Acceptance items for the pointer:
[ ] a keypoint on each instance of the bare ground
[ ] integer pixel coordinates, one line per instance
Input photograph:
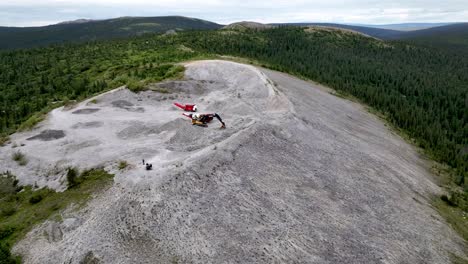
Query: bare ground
(299, 176)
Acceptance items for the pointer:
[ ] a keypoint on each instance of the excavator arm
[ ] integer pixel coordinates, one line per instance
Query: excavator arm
(223, 125)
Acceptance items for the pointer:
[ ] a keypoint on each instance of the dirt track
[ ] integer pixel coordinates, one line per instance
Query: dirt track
(299, 176)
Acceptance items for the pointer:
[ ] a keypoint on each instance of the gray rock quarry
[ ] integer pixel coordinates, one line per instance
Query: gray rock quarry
(298, 176)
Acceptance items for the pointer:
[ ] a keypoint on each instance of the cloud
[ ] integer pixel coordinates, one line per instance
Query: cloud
(29, 12)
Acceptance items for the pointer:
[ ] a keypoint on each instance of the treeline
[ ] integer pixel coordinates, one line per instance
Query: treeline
(421, 90)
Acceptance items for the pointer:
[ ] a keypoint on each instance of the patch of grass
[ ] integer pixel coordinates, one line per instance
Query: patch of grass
(8, 184)
(89, 258)
(23, 162)
(160, 90)
(122, 164)
(94, 101)
(20, 158)
(6, 257)
(39, 116)
(32, 206)
(3, 140)
(17, 156)
(457, 260)
(174, 260)
(454, 215)
(452, 206)
(31, 122)
(144, 75)
(136, 86)
(346, 96)
(7, 210)
(175, 72)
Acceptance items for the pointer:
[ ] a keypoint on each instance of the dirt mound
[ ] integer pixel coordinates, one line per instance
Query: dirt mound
(48, 135)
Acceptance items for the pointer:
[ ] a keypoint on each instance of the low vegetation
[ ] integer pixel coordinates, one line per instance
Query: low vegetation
(122, 165)
(72, 177)
(31, 122)
(23, 207)
(3, 140)
(160, 90)
(20, 158)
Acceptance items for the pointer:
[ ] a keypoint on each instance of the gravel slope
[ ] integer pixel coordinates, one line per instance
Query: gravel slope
(299, 176)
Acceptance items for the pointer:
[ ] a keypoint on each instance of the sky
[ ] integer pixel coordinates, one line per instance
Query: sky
(45, 12)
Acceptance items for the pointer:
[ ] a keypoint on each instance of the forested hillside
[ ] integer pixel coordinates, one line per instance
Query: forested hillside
(28, 37)
(450, 37)
(421, 90)
(376, 32)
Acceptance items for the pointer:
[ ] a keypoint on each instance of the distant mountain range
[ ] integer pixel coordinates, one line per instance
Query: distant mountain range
(374, 32)
(78, 21)
(454, 37)
(451, 36)
(432, 34)
(86, 30)
(406, 26)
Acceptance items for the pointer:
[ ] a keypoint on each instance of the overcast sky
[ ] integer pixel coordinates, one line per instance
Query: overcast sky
(45, 12)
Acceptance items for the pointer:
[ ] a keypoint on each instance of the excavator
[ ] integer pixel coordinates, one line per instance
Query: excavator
(199, 119)
(204, 119)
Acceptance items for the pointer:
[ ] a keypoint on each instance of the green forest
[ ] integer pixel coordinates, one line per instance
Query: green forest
(421, 90)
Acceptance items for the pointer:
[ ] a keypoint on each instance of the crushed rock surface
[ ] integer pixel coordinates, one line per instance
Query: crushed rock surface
(298, 176)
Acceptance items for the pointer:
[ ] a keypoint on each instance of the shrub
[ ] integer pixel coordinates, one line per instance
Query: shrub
(89, 258)
(17, 156)
(7, 210)
(72, 177)
(4, 139)
(6, 232)
(20, 158)
(444, 198)
(175, 72)
(122, 164)
(136, 86)
(456, 199)
(35, 199)
(8, 184)
(23, 162)
(5, 255)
